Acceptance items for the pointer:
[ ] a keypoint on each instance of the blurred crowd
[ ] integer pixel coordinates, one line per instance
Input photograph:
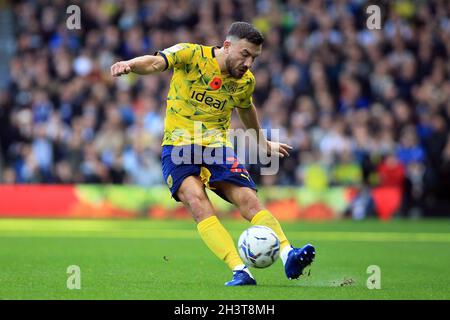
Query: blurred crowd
(360, 107)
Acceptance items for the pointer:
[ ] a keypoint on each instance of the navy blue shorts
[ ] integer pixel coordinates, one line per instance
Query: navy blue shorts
(209, 163)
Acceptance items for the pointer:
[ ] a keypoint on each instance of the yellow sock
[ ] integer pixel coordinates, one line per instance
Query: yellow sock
(219, 241)
(265, 218)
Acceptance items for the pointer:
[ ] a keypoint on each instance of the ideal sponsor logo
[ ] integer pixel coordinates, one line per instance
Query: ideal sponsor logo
(202, 97)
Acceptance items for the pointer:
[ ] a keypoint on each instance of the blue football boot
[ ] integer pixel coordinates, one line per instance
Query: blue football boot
(241, 278)
(298, 259)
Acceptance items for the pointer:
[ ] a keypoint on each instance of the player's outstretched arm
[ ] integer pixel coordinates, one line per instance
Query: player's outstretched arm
(140, 65)
(249, 118)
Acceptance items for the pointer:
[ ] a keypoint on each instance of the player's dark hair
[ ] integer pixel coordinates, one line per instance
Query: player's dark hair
(244, 30)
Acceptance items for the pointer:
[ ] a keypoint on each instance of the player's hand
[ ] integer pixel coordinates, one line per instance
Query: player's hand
(278, 149)
(120, 68)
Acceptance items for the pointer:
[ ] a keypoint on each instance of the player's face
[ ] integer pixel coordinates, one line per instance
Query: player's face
(240, 57)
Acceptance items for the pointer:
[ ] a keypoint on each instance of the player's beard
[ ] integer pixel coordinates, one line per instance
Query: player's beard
(233, 71)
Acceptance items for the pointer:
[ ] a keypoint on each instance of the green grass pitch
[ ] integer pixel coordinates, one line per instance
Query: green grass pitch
(144, 259)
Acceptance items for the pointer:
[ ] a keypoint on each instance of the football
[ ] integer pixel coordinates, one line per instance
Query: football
(259, 246)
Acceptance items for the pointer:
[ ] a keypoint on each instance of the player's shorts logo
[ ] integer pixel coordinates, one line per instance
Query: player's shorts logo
(205, 176)
(169, 181)
(215, 83)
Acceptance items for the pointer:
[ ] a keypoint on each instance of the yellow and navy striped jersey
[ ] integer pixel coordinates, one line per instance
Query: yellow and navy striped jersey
(201, 99)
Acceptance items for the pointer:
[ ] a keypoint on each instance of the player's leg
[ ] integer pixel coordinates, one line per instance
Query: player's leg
(192, 193)
(246, 200)
(186, 186)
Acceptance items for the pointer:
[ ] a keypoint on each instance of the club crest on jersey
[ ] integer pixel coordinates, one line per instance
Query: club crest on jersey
(215, 83)
(231, 87)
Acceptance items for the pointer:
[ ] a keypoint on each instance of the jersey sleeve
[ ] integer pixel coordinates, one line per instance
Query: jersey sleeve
(178, 55)
(247, 101)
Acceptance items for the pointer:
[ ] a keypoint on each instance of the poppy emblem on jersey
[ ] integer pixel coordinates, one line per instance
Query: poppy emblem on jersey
(215, 83)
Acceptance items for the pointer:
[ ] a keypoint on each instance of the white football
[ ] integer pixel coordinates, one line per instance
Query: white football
(259, 246)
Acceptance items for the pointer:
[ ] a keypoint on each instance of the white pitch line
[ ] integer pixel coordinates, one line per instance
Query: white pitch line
(192, 234)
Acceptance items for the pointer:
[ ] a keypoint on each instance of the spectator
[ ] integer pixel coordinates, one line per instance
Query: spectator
(409, 150)
(347, 172)
(328, 83)
(391, 172)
